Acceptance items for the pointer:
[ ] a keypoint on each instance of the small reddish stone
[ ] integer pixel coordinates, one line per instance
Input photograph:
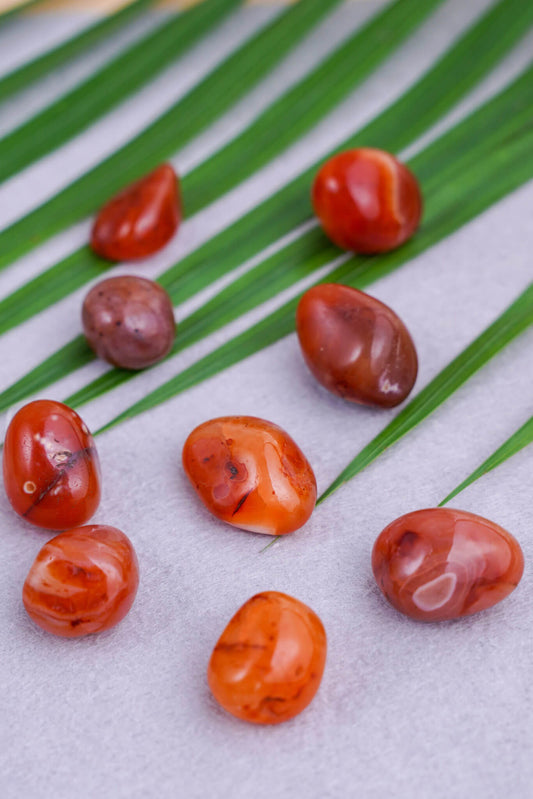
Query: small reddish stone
(269, 661)
(51, 467)
(82, 581)
(367, 201)
(441, 563)
(129, 321)
(356, 346)
(251, 474)
(139, 220)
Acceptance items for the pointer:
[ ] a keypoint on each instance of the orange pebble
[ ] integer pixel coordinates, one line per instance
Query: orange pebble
(269, 661)
(82, 581)
(251, 474)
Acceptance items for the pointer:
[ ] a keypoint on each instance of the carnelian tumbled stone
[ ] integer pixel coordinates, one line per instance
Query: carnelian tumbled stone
(82, 581)
(268, 663)
(441, 563)
(140, 219)
(367, 201)
(251, 474)
(51, 467)
(356, 346)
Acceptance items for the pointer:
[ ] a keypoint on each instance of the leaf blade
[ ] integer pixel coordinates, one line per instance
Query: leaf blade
(520, 439)
(213, 95)
(31, 71)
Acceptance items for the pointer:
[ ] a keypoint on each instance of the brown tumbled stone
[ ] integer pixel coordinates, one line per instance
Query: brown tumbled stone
(356, 346)
(129, 321)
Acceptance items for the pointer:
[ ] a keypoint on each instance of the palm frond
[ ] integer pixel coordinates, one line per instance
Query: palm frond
(291, 205)
(520, 439)
(91, 99)
(208, 100)
(5, 16)
(28, 73)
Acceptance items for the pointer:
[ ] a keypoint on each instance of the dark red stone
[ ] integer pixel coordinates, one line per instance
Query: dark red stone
(139, 220)
(356, 346)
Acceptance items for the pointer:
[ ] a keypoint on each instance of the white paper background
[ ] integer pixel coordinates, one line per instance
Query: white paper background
(405, 710)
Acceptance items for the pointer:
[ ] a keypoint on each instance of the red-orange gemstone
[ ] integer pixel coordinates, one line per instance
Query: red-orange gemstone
(441, 563)
(82, 581)
(51, 467)
(140, 219)
(356, 346)
(268, 663)
(367, 201)
(251, 474)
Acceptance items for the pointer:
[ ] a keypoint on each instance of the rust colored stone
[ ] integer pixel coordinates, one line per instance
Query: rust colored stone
(441, 564)
(367, 201)
(356, 346)
(251, 474)
(129, 321)
(268, 663)
(51, 467)
(139, 220)
(82, 581)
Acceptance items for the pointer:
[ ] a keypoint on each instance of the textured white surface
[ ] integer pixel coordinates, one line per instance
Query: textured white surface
(405, 710)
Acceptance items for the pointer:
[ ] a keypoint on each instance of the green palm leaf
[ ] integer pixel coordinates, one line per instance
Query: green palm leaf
(23, 76)
(16, 10)
(350, 64)
(226, 84)
(522, 438)
(91, 99)
(459, 200)
(294, 113)
(291, 205)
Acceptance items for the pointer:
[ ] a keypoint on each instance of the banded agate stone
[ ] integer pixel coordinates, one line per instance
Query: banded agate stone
(82, 581)
(367, 201)
(442, 563)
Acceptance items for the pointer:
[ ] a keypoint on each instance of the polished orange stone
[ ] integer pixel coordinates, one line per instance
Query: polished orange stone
(82, 581)
(251, 474)
(356, 346)
(367, 201)
(139, 220)
(51, 467)
(268, 663)
(441, 563)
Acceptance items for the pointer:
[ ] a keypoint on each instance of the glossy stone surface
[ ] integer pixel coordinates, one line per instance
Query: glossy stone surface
(129, 321)
(367, 201)
(51, 467)
(139, 220)
(442, 563)
(268, 663)
(82, 581)
(250, 473)
(356, 346)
